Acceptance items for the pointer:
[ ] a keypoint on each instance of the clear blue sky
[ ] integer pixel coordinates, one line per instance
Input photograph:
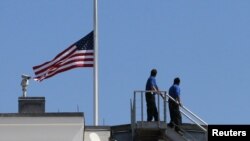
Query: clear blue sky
(205, 43)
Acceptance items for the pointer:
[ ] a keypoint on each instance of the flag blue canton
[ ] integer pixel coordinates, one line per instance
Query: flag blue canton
(86, 43)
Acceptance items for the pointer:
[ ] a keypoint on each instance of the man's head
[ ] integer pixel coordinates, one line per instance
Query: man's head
(177, 81)
(153, 72)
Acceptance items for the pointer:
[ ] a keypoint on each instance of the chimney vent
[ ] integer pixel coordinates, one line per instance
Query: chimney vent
(31, 105)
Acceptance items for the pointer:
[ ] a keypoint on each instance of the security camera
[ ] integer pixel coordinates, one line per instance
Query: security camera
(25, 83)
(26, 76)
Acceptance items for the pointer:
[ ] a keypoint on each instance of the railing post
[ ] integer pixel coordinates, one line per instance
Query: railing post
(132, 120)
(165, 107)
(141, 105)
(158, 99)
(134, 106)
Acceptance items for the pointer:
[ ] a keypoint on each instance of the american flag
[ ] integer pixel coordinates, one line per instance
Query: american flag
(80, 54)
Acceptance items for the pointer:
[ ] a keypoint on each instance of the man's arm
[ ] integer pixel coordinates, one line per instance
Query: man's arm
(155, 88)
(178, 100)
(157, 91)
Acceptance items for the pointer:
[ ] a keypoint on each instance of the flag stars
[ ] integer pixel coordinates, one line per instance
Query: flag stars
(86, 43)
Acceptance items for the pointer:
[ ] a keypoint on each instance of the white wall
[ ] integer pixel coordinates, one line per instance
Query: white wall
(41, 128)
(96, 135)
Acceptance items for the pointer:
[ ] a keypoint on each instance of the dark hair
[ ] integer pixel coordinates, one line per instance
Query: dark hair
(153, 72)
(177, 80)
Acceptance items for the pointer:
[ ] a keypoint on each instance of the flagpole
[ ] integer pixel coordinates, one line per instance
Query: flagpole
(95, 63)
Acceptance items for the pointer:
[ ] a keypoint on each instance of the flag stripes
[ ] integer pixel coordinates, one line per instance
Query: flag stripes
(80, 54)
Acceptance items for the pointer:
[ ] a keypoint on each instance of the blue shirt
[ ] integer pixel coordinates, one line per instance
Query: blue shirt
(174, 91)
(150, 83)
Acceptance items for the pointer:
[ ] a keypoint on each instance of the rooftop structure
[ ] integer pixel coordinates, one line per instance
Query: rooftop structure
(32, 122)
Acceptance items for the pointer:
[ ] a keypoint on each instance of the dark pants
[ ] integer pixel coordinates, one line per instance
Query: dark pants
(175, 115)
(151, 107)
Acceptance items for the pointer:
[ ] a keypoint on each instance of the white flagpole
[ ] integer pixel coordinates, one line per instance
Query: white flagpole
(95, 63)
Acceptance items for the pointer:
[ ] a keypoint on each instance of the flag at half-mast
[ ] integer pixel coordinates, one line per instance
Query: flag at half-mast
(80, 54)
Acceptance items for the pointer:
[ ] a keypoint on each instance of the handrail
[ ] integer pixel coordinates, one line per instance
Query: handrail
(164, 95)
(187, 110)
(194, 115)
(205, 130)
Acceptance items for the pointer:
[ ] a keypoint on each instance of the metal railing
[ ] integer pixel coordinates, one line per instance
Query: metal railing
(158, 102)
(163, 100)
(197, 120)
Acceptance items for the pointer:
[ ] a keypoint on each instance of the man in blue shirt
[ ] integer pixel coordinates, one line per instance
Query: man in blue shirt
(150, 96)
(175, 115)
